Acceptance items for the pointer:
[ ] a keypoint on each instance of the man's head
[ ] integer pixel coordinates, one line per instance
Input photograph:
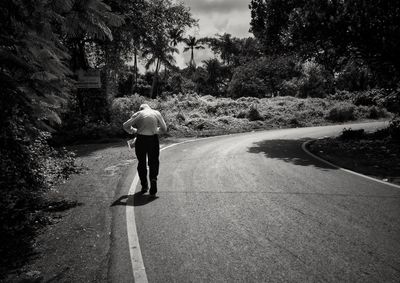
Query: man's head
(144, 106)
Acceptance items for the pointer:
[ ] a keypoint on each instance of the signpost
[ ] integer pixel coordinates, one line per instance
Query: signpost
(88, 79)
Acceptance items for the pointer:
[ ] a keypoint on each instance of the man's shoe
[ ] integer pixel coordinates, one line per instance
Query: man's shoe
(153, 187)
(144, 189)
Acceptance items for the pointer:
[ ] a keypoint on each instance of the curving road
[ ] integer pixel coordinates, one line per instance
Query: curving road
(255, 208)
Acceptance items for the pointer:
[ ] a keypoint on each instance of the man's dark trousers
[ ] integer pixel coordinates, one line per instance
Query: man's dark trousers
(147, 146)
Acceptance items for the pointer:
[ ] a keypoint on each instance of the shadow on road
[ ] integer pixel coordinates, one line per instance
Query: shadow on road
(83, 150)
(138, 199)
(288, 151)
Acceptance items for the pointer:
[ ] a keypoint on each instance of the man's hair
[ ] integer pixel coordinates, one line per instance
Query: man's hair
(144, 106)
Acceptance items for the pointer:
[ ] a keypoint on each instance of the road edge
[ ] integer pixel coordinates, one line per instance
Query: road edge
(304, 147)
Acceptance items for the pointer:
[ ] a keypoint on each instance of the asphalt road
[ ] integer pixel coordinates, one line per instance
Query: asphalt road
(256, 208)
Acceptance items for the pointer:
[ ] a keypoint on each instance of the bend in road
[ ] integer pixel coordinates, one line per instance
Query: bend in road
(256, 208)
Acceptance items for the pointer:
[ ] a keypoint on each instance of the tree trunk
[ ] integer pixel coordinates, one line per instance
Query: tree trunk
(135, 67)
(153, 93)
(154, 85)
(192, 58)
(111, 84)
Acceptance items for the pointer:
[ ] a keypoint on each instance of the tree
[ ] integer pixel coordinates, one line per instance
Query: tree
(263, 77)
(176, 36)
(248, 49)
(330, 29)
(159, 53)
(216, 76)
(224, 45)
(86, 21)
(191, 44)
(35, 80)
(162, 17)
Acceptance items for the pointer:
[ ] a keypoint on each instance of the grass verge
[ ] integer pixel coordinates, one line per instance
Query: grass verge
(374, 154)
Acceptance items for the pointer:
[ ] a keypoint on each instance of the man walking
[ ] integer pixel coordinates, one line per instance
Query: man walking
(147, 123)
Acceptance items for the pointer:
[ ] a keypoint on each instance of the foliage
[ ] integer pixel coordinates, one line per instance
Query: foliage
(32, 60)
(246, 81)
(123, 108)
(391, 101)
(262, 77)
(354, 76)
(314, 81)
(394, 128)
(216, 78)
(328, 30)
(350, 134)
(164, 17)
(175, 83)
(28, 166)
(224, 45)
(191, 114)
(192, 43)
(341, 112)
(36, 82)
(253, 114)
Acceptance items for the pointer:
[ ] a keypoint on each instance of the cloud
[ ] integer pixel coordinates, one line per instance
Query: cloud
(215, 17)
(199, 56)
(216, 6)
(220, 16)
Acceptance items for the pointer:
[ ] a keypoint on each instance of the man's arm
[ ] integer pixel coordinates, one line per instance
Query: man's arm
(128, 124)
(163, 127)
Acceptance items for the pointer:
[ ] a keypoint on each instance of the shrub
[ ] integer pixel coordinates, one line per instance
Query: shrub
(175, 83)
(122, 108)
(141, 88)
(377, 112)
(314, 81)
(391, 101)
(253, 114)
(349, 134)
(245, 82)
(341, 112)
(290, 87)
(28, 167)
(180, 117)
(262, 77)
(394, 128)
(354, 76)
(369, 97)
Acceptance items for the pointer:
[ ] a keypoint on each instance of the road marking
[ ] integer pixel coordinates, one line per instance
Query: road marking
(304, 147)
(139, 272)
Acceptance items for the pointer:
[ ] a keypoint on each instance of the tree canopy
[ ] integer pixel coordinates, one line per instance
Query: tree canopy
(330, 29)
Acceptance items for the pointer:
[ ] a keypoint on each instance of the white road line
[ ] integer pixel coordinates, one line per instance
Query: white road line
(304, 147)
(139, 272)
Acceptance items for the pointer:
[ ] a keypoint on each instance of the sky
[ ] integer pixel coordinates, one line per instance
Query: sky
(216, 17)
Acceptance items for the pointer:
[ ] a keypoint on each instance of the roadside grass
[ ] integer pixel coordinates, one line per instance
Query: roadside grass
(374, 154)
(190, 115)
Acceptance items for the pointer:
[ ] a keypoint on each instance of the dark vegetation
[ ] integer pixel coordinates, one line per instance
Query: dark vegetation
(374, 154)
(310, 63)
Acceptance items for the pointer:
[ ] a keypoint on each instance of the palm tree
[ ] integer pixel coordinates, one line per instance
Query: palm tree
(224, 45)
(86, 20)
(158, 52)
(215, 74)
(175, 36)
(191, 44)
